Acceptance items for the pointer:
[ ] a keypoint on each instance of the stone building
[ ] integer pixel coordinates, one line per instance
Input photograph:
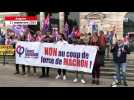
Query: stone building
(106, 21)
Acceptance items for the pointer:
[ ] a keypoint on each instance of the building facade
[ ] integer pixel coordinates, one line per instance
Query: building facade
(106, 21)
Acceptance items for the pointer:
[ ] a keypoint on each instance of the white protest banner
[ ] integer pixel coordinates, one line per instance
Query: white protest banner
(55, 55)
(66, 56)
(27, 53)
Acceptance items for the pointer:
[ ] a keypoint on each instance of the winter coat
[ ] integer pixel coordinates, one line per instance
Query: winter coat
(123, 56)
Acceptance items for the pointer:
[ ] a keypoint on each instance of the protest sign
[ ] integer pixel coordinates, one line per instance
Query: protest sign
(6, 50)
(55, 55)
(27, 53)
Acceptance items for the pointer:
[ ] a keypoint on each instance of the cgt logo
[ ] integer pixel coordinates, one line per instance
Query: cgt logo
(20, 50)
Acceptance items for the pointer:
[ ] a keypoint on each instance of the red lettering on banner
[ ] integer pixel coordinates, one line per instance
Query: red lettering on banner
(50, 51)
(65, 61)
(76, 62)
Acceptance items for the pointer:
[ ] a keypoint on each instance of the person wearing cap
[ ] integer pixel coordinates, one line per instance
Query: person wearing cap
(120, 51)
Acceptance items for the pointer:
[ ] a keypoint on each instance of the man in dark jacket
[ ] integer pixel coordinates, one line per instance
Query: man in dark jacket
(120, 51)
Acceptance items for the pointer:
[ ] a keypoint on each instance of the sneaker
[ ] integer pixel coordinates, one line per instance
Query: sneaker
(119, 83)
(75, 80)
(64, 77)
(114, 84)
(58, 76)
(83, 81)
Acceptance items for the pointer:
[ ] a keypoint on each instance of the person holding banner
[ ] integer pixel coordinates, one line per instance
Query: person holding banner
(37, 38)
(80, 41)
(22, 38)
(30, 38)
(62, 41)
(47, 39)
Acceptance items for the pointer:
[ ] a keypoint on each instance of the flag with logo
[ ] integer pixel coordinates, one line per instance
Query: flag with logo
(66, 30)
(18, 29)
(46, 23)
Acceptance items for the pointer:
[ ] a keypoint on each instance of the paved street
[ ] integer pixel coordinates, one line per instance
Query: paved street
(8, 79)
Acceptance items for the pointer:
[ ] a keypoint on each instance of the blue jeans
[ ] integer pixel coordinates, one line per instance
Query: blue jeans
(121, 71)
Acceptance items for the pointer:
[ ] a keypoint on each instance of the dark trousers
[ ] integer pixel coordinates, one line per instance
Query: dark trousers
(96, 72)
(23, 68)
(34, 69)
(64, 71)
(43, 70)
(28, 69)
(17, 68)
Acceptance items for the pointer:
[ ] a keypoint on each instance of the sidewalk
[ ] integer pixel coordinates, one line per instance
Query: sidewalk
(8, 79)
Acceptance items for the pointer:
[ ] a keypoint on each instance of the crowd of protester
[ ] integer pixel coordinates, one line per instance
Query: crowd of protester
(104, 43)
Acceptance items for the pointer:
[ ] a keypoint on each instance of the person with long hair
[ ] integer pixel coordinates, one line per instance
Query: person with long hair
(48, 39)
(29, 38)
(80, 41)
(62, 41)
(96, 68)
(102, 46)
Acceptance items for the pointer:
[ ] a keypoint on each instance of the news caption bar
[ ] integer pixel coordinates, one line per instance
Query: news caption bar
(20, 20)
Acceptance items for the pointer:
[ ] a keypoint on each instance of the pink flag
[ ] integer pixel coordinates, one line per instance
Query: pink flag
(46, 23)
(29, 37)
(47, 20)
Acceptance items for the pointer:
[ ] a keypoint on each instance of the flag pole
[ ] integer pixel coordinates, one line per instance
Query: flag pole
(42, 16)
(61, 22)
